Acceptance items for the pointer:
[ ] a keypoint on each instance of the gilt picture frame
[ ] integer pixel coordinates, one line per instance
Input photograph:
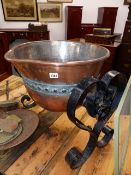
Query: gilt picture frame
(50, 12)
(127, 2)
(20, 10)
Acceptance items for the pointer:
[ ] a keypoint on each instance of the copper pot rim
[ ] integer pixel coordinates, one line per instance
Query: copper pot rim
(69, 63)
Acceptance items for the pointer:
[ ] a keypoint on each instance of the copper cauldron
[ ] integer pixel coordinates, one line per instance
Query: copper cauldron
(51, 69)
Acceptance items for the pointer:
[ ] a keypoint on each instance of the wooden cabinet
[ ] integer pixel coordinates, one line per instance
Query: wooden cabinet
(124, 58)
(7, 36)
(127, 33)
(109, 63)
(35, 36)
(123, 63)
(13, 34)
(107, 17)
(87, 28)
(74, 16)
(5, 68)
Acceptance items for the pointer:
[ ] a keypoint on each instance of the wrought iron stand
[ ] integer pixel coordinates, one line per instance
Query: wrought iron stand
(100, 98)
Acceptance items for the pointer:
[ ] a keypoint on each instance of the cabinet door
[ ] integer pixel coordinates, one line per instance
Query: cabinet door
(88, 29)
(36, 36)
(110, 18)
(127, 33)
(109, 62)
(124, 59)
(5, 68)
(74, 15)
(107, 17)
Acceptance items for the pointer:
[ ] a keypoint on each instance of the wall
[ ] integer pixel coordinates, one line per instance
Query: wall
(90, 9)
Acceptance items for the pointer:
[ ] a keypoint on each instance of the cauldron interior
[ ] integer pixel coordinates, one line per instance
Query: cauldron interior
(58, 51)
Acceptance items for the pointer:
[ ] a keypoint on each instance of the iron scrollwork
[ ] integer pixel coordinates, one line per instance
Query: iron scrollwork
(26, 98)
(100, 98)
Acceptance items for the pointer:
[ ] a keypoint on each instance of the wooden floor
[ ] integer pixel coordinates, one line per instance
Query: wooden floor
(46, 154)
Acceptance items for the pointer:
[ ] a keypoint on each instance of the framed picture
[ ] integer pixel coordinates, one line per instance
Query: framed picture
(19, 10)
(127, 2)
(61, 1)
(50, 12)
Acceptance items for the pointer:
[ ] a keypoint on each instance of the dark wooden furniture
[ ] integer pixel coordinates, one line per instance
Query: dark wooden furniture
(107, 17)
(7, 36)
(100, 39)
(109, 64)
(127, 33)
(13, 34)
(5, 68)
(74, 16)
(87, 28)
(123, 63)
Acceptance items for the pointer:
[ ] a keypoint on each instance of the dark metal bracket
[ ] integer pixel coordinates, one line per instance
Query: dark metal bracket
(100, 98)
(27, 98)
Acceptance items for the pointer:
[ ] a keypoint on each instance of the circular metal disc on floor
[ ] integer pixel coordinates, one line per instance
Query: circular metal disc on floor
(30, 121)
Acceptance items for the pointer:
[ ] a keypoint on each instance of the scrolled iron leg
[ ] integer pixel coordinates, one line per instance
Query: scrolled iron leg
(75, 158)
(100, 98)
(27, 98)
(107, 137)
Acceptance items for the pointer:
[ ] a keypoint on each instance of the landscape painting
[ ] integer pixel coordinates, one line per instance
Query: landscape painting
(19, 10)
(50, 12)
